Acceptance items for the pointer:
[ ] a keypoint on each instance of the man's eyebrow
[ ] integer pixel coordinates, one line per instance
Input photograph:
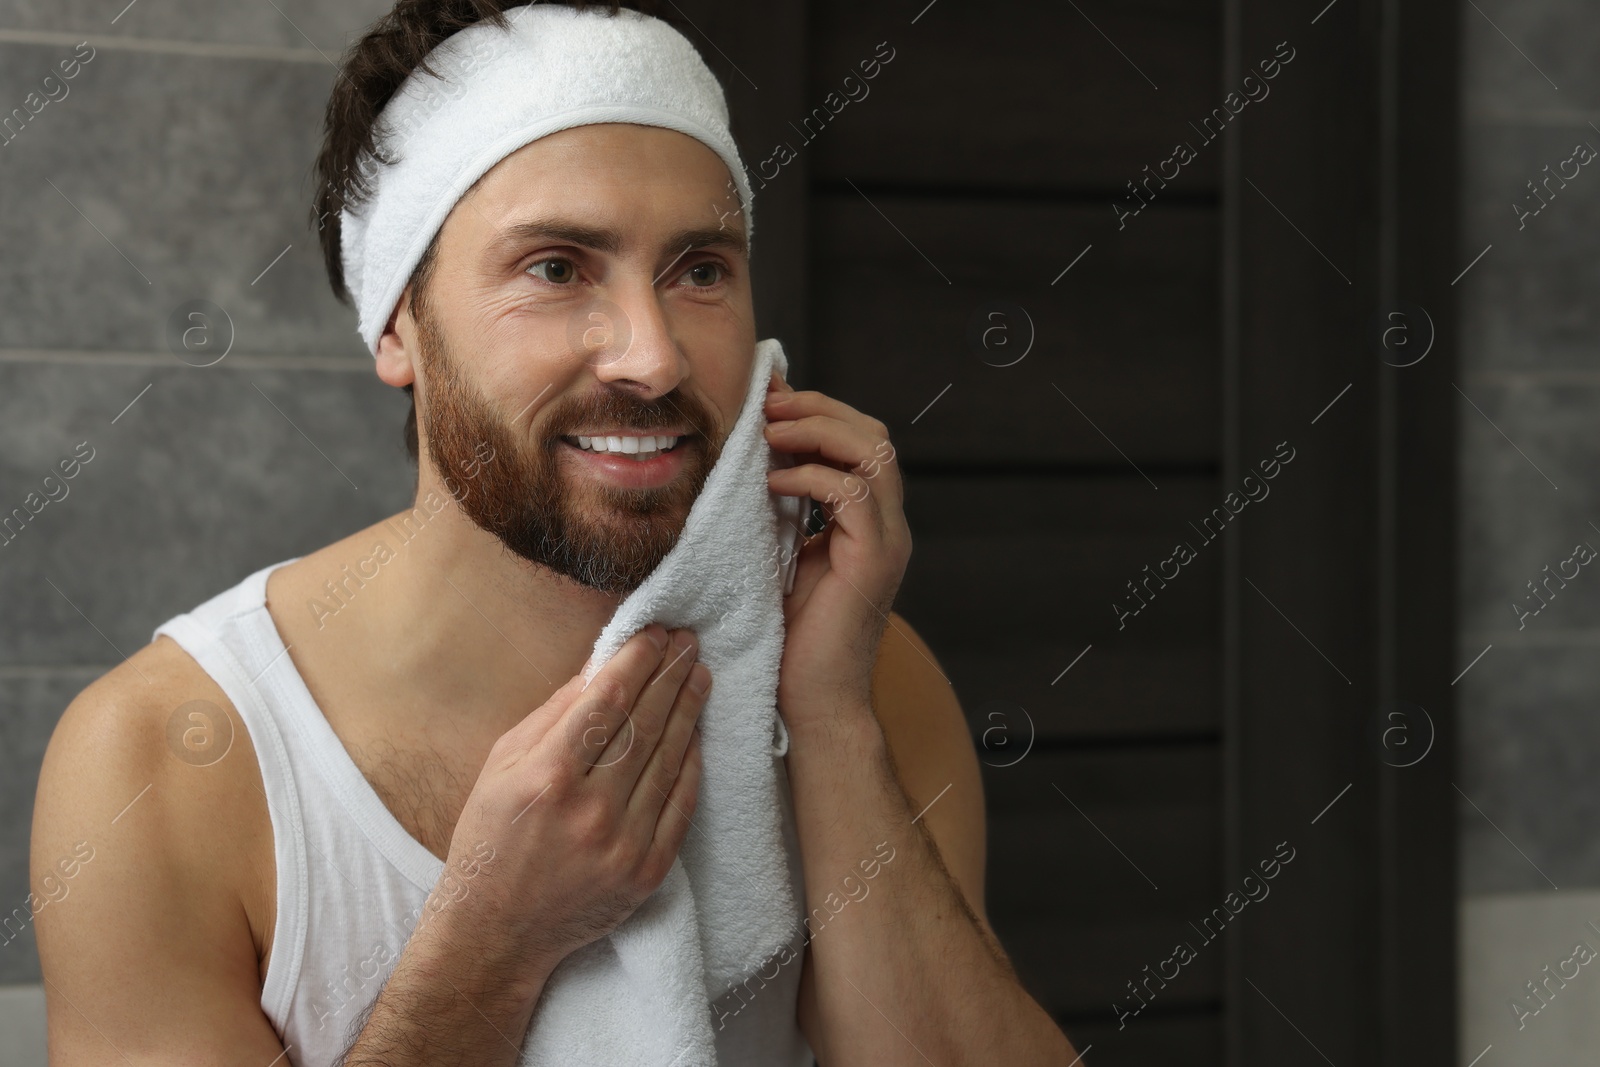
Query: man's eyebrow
(609, 241)
(688, 240)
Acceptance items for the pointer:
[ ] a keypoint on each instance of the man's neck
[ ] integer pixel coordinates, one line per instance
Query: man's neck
(434, 613)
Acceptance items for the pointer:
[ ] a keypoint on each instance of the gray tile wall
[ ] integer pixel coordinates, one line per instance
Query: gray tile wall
(1530, 449)
(176, 167)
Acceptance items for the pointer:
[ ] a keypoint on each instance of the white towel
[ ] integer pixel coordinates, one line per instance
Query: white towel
(642, 995)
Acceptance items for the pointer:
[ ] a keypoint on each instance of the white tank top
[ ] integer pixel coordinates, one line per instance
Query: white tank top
(351, 881)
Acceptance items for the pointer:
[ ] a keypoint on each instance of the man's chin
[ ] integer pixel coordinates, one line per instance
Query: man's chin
(604, 549)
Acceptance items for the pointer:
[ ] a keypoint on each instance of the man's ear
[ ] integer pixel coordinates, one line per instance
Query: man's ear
(397, 345)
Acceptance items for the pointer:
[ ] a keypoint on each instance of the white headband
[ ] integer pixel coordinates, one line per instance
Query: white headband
(553, 68)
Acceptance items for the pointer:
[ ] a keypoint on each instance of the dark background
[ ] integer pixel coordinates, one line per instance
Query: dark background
(1173, 351)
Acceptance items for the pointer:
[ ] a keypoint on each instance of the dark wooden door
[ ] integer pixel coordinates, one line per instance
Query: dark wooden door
(1132, 286)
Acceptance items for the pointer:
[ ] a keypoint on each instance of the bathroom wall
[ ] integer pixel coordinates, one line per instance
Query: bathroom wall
(167, 163)
(1529, 750)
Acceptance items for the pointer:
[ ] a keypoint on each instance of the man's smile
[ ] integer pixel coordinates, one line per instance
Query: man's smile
(631, 462)
(625, 442)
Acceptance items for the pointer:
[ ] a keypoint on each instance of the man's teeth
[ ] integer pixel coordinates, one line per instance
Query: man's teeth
(627, 445)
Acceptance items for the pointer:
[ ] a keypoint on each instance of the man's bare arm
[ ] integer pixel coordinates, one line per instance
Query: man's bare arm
(901, 967)
(451, 999)
(147, 952)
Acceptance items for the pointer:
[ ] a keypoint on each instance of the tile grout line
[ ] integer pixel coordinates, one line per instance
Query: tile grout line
(241, 361)
(202, 49)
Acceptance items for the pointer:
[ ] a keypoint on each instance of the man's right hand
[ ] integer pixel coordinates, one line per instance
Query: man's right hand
(585, 804)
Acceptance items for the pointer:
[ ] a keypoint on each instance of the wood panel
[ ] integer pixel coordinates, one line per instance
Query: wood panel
(1363, 566)
(1419, 843)
(1098, 862)
(1191, 1038)
(1124, 353)
(1016, 95)
(1012, 576)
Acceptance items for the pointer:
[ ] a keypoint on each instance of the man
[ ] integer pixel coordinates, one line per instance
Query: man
(431, 714)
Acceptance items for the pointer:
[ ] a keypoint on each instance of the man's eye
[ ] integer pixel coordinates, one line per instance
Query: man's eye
(707, 266)
(558, 275)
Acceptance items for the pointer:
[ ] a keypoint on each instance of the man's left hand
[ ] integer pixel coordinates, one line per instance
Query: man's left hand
(847, 576)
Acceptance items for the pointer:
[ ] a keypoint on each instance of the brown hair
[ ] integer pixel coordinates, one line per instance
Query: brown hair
(371, 71)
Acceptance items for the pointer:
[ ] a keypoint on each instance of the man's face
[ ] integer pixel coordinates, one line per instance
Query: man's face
(525, 339)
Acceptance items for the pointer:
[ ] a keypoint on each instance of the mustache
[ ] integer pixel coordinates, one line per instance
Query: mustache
(669, 411)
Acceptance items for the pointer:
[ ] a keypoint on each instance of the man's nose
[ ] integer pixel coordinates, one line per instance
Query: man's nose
(638, 344)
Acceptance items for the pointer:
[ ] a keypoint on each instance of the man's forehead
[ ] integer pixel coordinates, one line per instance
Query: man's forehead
(600, 209)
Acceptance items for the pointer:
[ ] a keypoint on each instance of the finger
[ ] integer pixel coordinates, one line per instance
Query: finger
(678, 806)
(626, 754)
(665, 764)
(798, 402)
(848, 498)
(601, 711)
(841, 442)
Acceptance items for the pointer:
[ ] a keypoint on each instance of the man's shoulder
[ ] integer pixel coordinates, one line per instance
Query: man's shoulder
(907, 675)
(917, 707)
(114, 716)
(932, 749)
(122, 716)
(152, 757)
(151, 863)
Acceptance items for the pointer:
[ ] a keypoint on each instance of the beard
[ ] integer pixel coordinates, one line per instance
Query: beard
(535, 501)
